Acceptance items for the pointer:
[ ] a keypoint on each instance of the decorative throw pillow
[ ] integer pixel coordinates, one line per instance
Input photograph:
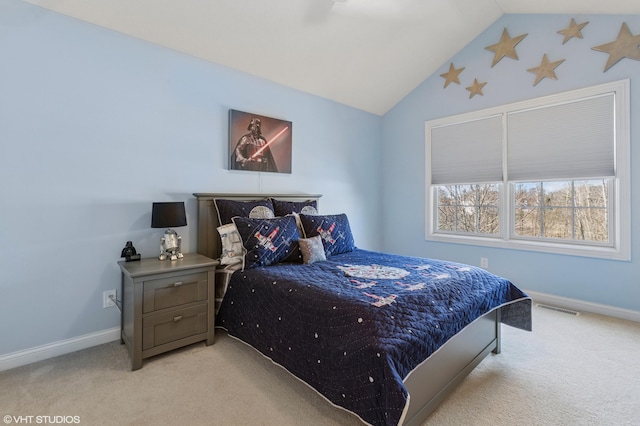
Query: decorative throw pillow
(228, 209)
(312, 249)
(232, 248)
(269, 241)
(333, 229)
(283, 208)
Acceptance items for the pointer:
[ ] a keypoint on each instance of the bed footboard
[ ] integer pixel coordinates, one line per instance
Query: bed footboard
(431, 382)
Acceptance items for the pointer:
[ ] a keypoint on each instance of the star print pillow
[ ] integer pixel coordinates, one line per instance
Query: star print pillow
(283, 208)
(268, 241)
(228, 209)
(333, 229)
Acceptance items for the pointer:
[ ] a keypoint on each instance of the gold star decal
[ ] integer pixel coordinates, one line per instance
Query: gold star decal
(451, 76)
(625, 46)
(476, 88)
(545, 70)
(505, 47)
(573, 30)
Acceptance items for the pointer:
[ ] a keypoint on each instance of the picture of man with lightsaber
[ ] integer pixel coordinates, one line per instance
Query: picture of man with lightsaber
(252, 152)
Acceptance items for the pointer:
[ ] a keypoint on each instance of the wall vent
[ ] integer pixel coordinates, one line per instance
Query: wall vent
(556, 308)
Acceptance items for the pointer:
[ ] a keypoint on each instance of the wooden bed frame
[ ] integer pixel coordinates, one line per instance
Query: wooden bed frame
(435, 378)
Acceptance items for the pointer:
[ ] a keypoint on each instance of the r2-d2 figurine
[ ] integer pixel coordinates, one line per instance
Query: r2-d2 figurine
(171, 246)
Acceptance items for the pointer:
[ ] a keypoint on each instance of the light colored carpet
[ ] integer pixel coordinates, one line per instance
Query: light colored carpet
(571, 370)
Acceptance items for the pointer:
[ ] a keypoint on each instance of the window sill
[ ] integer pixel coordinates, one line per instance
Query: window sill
(609, 253)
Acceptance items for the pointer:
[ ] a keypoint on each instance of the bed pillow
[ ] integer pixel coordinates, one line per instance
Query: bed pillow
(228, 209)
(232, 248)
(333, 229)
(283, 208)
(269, 241)
(312, 249)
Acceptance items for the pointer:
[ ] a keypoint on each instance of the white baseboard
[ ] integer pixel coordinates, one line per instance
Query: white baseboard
(39, 353)
(580, 305)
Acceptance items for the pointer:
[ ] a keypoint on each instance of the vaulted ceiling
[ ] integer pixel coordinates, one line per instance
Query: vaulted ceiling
(367, 54)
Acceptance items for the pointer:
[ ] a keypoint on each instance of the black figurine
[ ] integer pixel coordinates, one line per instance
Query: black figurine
(129, 252)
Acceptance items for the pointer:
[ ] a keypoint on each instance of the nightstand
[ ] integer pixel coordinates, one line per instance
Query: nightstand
(166, 304)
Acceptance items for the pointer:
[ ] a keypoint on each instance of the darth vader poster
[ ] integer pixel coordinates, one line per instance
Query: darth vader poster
(259, 143)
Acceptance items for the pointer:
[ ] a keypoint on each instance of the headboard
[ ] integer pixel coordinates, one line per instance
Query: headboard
(208, 238)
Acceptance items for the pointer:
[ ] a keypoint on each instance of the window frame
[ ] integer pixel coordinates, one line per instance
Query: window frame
(619, 209)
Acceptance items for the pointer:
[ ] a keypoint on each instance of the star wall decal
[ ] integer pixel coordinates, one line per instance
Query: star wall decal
(476, 88)
(625, 46)
(505, 47)
(451, 76)
(573, 30)
(546, 69)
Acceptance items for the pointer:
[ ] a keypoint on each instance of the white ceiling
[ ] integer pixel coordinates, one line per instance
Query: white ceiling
(367, 54)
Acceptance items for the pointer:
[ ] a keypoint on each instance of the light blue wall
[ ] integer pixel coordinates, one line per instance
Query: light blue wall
(613, 283)
(95, 126)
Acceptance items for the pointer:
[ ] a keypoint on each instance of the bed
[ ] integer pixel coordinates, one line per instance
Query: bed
(383, 336)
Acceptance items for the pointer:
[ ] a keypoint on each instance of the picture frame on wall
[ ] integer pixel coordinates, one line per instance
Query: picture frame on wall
(259, 143)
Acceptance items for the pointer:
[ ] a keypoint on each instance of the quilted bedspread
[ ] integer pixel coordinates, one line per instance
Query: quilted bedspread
(354, 326)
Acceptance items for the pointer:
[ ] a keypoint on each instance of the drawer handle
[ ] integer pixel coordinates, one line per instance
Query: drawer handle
(178, 318)
(178, 284)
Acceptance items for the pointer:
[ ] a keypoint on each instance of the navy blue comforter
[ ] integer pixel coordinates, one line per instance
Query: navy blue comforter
(354, 326)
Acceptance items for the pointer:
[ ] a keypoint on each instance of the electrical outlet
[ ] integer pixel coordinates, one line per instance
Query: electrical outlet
(484, 262)
(109, 298)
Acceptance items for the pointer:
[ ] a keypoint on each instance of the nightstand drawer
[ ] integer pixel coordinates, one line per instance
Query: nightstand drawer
(177, 324)
(175, 291)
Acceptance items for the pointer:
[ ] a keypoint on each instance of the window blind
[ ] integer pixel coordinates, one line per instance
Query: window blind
(468, 152)
(566, 141)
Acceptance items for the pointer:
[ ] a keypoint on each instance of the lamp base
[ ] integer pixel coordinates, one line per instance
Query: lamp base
(170, 246)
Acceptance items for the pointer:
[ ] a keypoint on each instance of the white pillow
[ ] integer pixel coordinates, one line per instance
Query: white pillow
(232, 248)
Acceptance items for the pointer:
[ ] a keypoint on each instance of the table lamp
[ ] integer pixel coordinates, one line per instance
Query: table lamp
(168, 215)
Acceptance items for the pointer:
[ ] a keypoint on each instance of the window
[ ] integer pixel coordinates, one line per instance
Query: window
(472, 209)
(549, 174)
(566, 210)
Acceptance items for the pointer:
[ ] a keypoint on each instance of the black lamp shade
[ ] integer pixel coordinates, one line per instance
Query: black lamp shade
(168, 215)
